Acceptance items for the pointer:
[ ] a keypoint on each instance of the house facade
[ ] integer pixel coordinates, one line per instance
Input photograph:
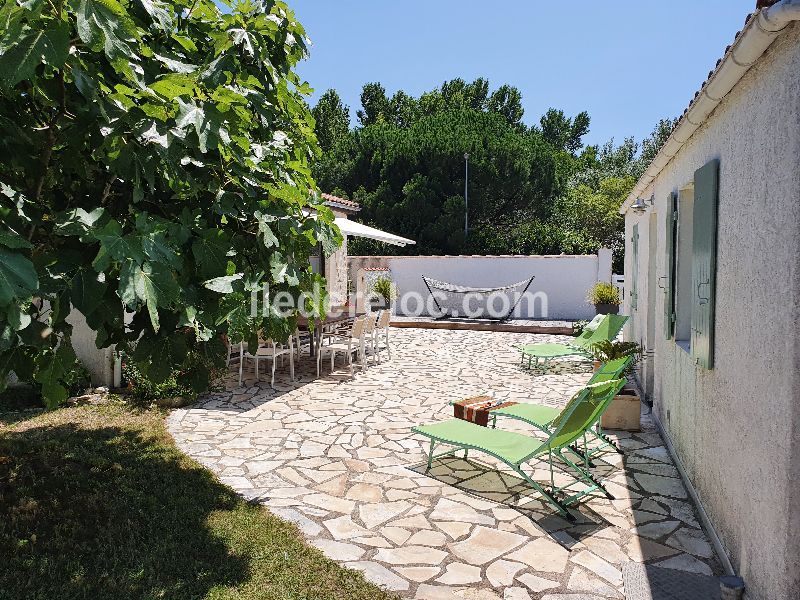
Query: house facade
(712, 269)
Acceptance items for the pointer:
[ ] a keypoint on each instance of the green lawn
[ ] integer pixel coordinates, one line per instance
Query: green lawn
(97, 502)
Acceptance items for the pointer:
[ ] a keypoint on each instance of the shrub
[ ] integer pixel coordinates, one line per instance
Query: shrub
(604, 293)
(606, 350)
(143, 388)
(384, 288)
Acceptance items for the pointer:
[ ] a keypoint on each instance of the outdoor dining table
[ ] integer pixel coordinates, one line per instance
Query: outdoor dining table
(339, 316)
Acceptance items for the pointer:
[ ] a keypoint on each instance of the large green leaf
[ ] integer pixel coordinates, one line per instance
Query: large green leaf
(49, 46)
(151, 284)
(10, 240)
(223, 285)
(106, 25)
(18, 277)
(87, 291)
(117, 246)
(52, 366)
(210, 253)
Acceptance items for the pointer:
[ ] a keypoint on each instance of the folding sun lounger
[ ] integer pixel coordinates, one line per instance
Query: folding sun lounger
(545, 417)
(516, 449)
(605, 327)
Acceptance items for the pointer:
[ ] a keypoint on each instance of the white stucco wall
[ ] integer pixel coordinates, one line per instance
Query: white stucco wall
(564, 279)
(736, 428)
(99, 362)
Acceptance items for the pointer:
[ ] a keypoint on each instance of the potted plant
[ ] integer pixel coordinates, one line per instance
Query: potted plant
(605, 297)
(625, 410)
(382, 293)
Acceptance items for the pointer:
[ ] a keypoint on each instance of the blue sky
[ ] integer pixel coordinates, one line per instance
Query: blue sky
(627, 62)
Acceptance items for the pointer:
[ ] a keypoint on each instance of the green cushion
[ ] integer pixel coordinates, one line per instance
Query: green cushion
(548, 350)
(532, 413)
(505, 445)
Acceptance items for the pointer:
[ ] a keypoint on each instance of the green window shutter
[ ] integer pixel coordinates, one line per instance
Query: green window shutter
(669, 278)
(635, 267)
(704, 263)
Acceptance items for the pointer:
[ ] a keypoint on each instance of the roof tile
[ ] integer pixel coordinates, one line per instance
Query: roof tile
(341, 202)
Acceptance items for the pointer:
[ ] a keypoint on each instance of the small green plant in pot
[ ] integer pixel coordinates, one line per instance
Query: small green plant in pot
(625, 410)
(606, 350)
(383, 293)
(605, 297)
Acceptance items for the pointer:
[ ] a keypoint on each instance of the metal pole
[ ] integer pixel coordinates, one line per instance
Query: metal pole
(466, 194)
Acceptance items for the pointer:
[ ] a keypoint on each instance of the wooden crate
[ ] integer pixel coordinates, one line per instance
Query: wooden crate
(624, 412)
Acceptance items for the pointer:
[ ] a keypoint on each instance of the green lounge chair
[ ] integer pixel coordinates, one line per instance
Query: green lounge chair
(516, 449)
(607, 328)
(545, 417)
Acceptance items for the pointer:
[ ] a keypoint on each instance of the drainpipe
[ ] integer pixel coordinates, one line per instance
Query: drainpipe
(781, 14)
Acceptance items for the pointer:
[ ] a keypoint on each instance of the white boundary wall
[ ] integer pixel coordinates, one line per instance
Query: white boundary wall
(564, 279)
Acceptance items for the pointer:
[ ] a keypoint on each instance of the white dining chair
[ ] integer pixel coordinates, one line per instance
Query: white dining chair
(353, 344)
(382, 331)
(267, 350)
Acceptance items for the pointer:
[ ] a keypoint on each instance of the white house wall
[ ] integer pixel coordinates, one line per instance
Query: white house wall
(736, 428)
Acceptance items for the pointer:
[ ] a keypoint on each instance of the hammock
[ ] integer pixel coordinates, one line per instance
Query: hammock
(451, 298)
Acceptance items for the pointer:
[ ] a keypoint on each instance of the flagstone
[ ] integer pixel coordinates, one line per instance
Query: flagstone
(410, 555)
(330, 502)
(537, 584)
(334, 550)
(599, 566)
(609, 550)
(343, 528)
(436, 592)
(655, 530)
(426, 537)
(453, 529)
(364, 492)
(418, 574)
(692, 541)
(380, 575)
(685, 562)
(516, 593)
(665, 486)
(373, 541)
(449, 510)
(460, 574)
(641, 549)
(306, 525)
(398, 535)
(543, 555)
(374, 514)
(582, 581)
(334, 487)
(501, 572)
(485, 544)
(337, 457)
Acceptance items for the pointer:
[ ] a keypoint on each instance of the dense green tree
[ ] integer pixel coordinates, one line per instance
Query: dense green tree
(154, 162)
(404, 109)
(411, 180)
(332, 119)
(507, 101)
(652, 144)
(375, 106)
(563, 132)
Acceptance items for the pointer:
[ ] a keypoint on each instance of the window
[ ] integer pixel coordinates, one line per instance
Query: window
(691, 265)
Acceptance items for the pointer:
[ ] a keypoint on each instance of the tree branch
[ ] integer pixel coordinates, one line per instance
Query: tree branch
(51, 137)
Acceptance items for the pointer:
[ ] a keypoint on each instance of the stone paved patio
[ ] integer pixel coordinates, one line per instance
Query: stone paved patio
(336, 457)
